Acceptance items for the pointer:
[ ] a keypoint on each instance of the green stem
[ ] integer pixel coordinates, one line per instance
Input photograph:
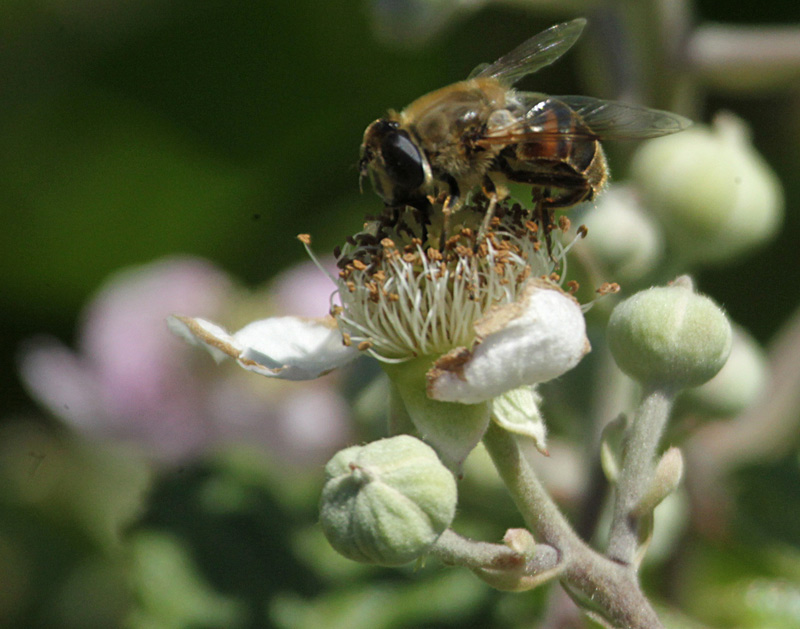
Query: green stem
(500, 565)
(537, 508)
(455, 550)
(636, 472)
(660, 29)
(599, 585)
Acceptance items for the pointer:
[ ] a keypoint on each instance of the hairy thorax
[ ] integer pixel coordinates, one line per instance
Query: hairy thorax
(450, 121)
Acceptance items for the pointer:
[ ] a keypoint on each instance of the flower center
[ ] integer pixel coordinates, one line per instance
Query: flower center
(406, 292)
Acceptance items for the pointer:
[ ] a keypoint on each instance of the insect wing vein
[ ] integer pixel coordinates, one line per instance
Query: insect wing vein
(539, 51)
(614, 120)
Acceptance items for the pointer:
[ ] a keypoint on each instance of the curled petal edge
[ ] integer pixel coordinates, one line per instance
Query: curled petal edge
(289, 348)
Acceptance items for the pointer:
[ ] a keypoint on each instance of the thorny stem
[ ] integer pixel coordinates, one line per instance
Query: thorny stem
(605, 587)
(636, 472)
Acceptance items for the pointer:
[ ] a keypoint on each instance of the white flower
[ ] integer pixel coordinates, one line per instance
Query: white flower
(461, 323)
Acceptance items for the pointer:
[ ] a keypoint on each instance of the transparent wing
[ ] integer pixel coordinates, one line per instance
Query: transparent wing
(582, 117)
(539, 51)
(613, 120)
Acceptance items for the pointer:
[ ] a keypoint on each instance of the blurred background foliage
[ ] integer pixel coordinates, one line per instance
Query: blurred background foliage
(135, 130)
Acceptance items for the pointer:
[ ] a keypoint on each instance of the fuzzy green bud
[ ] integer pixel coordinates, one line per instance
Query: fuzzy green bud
(624, 237)
(669, 336)
(386, 502)
(714, 194)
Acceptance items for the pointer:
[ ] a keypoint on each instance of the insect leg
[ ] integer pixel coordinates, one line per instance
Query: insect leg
(543, 214)
(422, 211)
(451, 204)
(569, 198)
(494, 194)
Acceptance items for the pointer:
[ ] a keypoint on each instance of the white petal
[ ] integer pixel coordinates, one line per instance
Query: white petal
(297, 349)
(537, 338)
(208, 335)
(289, 348)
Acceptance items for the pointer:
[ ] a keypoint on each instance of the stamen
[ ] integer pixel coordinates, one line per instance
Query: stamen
(403, 296)
(306, 240)
(606, 288)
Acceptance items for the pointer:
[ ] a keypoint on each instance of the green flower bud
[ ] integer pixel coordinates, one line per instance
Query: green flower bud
(715, 195)
(669, 336)
(386, 502)
(623, 237)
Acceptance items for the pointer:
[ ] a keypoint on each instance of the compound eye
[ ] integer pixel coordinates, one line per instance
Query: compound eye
(403, 161)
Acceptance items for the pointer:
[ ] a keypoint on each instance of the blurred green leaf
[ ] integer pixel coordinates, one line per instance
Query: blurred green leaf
(448, 597)
(171, 593)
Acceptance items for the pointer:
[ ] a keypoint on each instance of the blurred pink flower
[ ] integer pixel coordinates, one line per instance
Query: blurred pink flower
(304, 291)
(130, 380)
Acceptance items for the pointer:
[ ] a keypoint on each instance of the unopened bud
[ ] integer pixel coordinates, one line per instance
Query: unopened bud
(386, 502)
(520, 541)
(669, 336)
(714, 193)
(624, 237)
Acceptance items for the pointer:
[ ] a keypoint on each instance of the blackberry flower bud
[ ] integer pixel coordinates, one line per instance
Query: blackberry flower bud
(670, 336)
(714, 193)
(625, 238)
(386, 502)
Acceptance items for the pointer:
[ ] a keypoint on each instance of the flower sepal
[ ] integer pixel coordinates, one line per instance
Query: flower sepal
(453, 429)
(517, 411)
